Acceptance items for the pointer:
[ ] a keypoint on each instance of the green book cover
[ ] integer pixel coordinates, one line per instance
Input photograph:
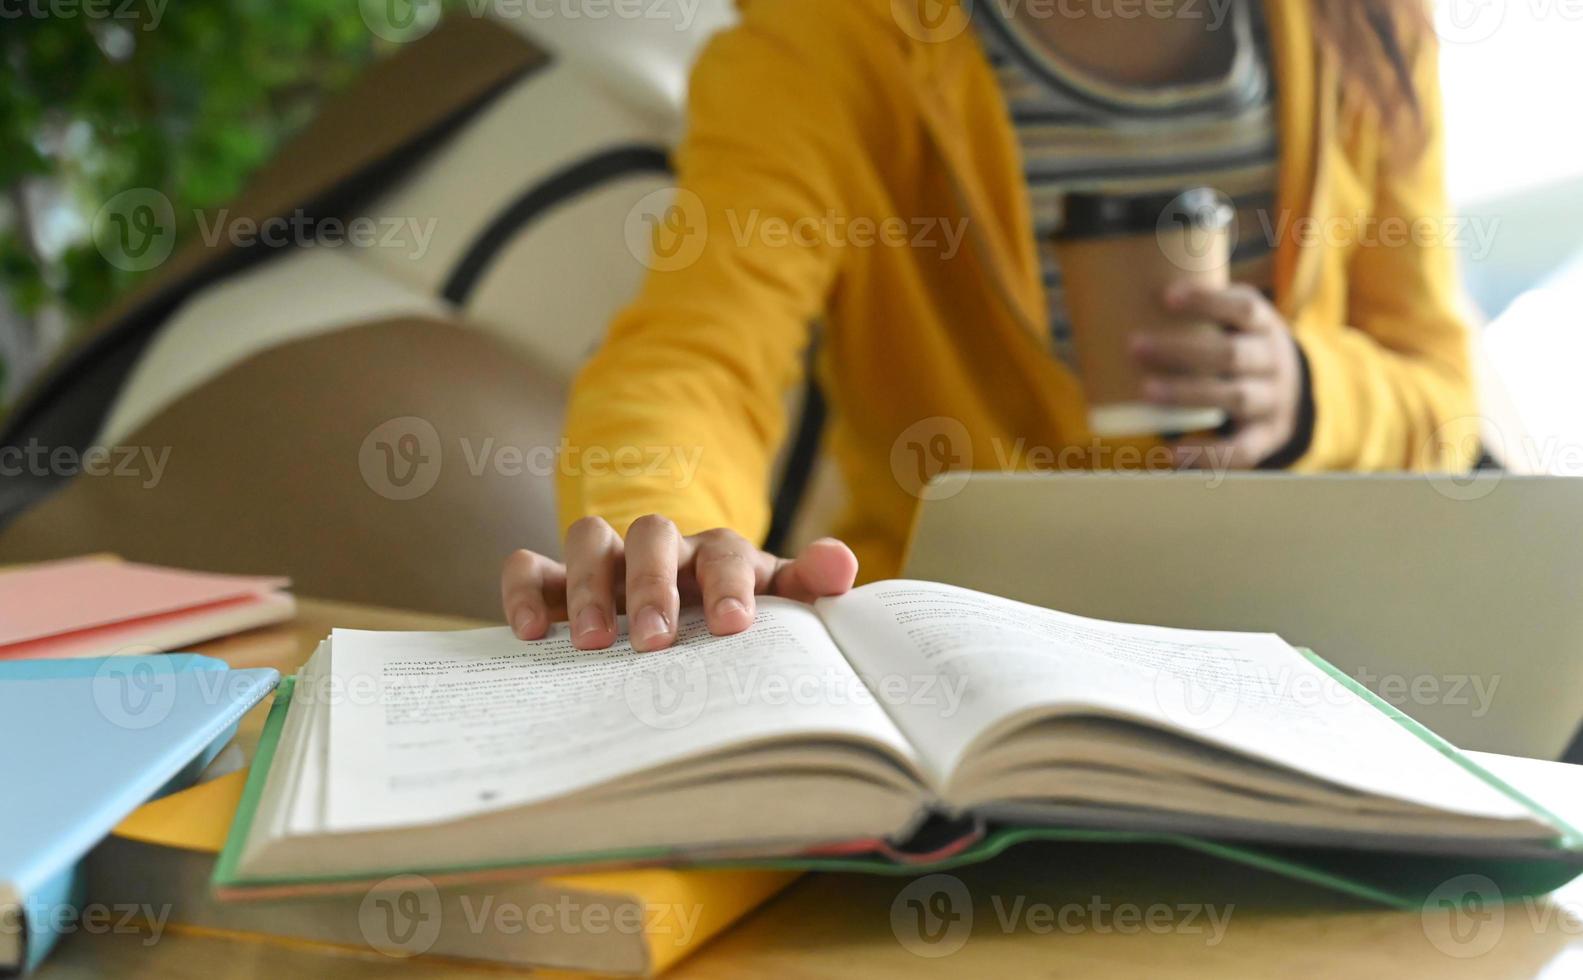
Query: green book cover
(1402, 881)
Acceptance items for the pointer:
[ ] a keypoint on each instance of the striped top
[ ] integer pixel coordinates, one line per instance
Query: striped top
(1079, 133)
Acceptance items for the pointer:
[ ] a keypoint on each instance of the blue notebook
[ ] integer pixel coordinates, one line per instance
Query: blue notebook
(86, 742)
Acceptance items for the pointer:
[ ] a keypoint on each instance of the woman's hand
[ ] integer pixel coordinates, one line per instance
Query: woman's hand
(652, 574)
(1252, 370)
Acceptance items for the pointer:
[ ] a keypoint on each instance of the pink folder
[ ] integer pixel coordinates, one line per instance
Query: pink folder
(97, 607)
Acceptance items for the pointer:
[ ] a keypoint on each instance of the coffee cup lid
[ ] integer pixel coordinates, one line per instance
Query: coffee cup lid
(1091, 215)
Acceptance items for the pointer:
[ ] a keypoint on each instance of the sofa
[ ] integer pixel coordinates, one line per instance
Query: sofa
(379, 422)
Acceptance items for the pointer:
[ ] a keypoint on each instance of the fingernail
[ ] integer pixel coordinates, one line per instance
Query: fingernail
(730, 606)
(649, 624)
(521, 621)
(590, 620)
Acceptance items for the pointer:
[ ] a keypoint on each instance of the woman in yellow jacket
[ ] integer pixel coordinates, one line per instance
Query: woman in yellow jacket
(893, 169)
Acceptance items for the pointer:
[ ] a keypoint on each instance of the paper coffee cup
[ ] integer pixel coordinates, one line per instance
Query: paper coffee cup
(1118, 254)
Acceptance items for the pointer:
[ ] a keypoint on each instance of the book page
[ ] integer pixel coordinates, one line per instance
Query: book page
(432, 726)
(1250, 693)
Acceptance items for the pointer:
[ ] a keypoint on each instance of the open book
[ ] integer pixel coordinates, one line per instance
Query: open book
(902, 724)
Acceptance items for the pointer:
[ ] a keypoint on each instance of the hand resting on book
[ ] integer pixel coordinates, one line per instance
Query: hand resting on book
(652, 573)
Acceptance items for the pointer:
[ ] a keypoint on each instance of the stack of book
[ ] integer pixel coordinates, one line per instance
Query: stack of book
(89, 741)
(99, 606)
(468, 794)
(98, 720)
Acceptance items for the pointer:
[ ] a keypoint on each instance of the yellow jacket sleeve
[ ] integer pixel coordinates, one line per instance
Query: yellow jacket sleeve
(681, 409)
(1395, 390)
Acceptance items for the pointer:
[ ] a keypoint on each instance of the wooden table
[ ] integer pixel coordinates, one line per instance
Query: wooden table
(1053, 912)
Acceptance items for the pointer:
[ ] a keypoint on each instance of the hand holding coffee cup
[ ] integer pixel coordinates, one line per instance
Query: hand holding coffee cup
(1165, 343)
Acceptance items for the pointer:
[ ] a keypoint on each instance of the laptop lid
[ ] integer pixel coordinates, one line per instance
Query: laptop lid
(1457, 599)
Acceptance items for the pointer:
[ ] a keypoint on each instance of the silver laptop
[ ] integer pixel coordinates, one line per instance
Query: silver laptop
(1457, 599)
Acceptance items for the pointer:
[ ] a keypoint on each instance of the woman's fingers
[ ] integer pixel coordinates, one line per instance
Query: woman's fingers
(533, 593)
(653, 552)
(648, 574)
(1210, 352)
(1244, 399)
(728, 570)
(1240, 306)
(593, 560)
(825, 568)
